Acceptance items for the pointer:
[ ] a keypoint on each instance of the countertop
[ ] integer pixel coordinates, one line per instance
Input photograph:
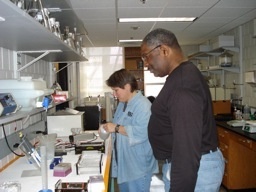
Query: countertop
(24, 173)
(237, 130)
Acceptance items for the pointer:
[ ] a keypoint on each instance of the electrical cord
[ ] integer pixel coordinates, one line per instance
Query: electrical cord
(5, 137)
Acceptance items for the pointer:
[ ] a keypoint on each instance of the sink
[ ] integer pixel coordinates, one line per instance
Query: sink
(236, 123)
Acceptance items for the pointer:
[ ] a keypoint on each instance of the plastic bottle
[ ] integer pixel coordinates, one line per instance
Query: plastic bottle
(238, 115)
(234, 113)
(246, 113)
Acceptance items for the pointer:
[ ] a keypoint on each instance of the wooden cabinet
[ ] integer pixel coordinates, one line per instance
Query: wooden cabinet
(240, 160)
(134, 64)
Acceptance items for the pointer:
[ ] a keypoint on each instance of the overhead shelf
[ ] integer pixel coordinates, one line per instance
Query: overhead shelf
(22, 33)
(23, 114)
(199, 55)
(216, 52)
(222, 49)
(229, 69)
(213, 52)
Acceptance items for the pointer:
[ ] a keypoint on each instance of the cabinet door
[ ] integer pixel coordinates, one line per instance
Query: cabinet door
(242, 166)
(223, 135)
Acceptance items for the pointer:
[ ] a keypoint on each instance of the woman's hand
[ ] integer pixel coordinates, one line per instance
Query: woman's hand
(109, 127)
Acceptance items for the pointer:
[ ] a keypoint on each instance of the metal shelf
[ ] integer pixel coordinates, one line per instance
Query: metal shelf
(216, 52)
(22, 33)
(22, 114)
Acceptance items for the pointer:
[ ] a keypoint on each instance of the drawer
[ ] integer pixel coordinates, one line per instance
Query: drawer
(224, 149)
(242, 140)
(223, 135)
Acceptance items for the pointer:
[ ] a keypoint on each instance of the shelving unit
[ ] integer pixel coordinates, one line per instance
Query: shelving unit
(22, 33)
(216, 53)
(216, 72)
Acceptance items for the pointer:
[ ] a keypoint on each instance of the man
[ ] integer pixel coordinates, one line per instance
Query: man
(182, 129)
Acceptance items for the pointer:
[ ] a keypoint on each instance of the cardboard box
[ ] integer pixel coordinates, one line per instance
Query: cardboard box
(62, 121)
(220, 107)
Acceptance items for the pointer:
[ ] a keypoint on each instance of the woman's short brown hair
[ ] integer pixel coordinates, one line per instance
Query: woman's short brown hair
(122, 77)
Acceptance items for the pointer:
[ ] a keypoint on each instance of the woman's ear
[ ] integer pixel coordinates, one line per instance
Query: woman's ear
(127, 87)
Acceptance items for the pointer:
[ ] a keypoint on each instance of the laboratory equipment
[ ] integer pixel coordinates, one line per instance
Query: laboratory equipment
(44, 101)
(103, 133)
(236, 123)
(30, 152)
(250, 126)
(7, 104)
(44, 171)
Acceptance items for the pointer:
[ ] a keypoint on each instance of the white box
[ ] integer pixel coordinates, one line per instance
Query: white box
(62, 121)
(224, 41)
(96, 183)
(250, 77)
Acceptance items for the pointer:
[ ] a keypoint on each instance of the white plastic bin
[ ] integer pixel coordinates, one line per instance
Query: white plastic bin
(25, 91)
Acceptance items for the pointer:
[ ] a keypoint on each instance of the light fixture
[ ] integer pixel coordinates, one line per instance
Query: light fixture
(170, 19)
(2, 19)
(54, 9)
(129, 40)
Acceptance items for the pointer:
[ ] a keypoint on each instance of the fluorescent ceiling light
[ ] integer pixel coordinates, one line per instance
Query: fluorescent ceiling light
(129, 40)
(54, 9)
(172, 19)
(2, 19)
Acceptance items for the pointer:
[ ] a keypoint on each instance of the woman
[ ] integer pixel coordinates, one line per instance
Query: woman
(133, 163)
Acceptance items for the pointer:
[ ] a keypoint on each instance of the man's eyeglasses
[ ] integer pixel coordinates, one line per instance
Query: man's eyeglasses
(144, 56)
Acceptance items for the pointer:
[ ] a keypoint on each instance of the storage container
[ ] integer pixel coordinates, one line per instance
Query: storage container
(25, 91)
(224, 41)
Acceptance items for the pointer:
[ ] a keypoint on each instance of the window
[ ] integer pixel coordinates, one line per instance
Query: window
(102, 62)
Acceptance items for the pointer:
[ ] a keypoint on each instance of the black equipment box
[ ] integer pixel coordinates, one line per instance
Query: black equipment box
(100, 146)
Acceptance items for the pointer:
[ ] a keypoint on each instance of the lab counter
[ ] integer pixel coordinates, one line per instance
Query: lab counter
(31, 180)
(237, 130)
(239, 150)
